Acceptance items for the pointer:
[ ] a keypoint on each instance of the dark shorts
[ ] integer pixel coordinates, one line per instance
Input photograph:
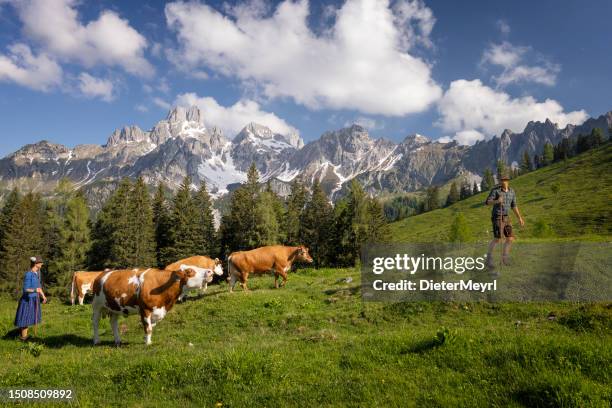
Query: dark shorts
(507, 227)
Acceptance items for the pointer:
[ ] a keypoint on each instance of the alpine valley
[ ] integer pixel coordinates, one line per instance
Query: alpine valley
(186, 144)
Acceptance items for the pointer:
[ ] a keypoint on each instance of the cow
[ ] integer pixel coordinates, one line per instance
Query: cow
(276, 258)
(149, 292)
(201, 262)
(82, 281)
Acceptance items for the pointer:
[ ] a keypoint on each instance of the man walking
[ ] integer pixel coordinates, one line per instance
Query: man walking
(502, 197)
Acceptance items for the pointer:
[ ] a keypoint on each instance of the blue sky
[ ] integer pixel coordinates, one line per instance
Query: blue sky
(71, 72)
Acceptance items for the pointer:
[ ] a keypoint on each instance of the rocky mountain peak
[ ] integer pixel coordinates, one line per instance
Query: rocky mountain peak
(182, 114)
(415, 140)
(127, 134)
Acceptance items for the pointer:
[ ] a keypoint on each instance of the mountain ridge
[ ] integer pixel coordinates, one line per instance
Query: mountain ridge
(182, 144)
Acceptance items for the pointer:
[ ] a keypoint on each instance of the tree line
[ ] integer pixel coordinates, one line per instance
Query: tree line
(139, 228)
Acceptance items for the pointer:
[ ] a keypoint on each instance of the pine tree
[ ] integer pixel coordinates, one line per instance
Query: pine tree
(432, 198)
(526, 163)
(141, 227)
(378, 227)
(475, 188)
(459, 230)
(121, 245)
(268, 226)
(74, 237)
(548, 155)
(537, 161)
(295, 207)
(315, 225)
(207, 242)
(109, 240)
(453, 194)
(10, 204)
(22, 240)
(466, 190)
(596, 137)
(184, 229)
(161, 219)
(488, 182)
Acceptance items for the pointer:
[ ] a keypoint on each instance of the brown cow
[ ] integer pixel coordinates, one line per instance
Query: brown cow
(276, 258)
(82, 281)
(200, 262)
(149, 292)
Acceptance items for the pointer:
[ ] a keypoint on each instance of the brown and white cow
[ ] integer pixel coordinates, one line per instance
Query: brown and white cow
(276, 258)
(198, 261)
(82, 282)
(149, 292)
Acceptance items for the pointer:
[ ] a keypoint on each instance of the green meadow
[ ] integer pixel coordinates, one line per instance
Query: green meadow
(315, 343)
(566, 200)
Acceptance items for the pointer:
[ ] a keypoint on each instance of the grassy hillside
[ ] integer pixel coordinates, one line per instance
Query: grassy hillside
(580, 208)
(315, 343)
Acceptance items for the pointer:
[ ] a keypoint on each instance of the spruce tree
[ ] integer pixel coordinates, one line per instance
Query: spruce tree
(453, 194)
(22, 240)
(121, 226)
(315, 226)
(548, 154)
(141, 227)
(475, 188)
(432, 198)
(10, 204)
(268, 226)
(378, 227)
(466, 190)
(74, 239)
(295, 207)
(488, 182)
(207, 236)
(526, 165)
(184, 228)
(161, 219)
(459, 230)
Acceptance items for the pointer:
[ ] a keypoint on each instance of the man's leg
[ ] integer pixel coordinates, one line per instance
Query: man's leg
(492, 245)
(507, 246)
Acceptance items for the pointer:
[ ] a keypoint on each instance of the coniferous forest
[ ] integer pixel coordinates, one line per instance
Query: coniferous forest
(141, 226)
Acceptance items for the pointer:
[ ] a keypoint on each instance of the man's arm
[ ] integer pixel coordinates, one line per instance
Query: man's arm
(493, 198)
(518, 215)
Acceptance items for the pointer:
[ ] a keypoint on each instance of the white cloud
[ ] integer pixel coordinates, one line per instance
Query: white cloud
(504, 27)
(368, 123)
(510, 58)
(108, 40)
(233, 118)
(21, 66)
(470, 106)
(161, 103)
(93, 87)
(468, 137)
(361, 62)
(141, 108)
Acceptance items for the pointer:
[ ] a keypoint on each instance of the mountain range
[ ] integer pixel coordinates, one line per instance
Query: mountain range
(185, 144)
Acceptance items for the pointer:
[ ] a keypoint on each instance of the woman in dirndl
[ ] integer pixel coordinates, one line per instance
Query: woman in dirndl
(28, 309)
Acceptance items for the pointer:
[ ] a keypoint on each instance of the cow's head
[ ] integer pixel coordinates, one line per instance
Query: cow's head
(218, 270)
(194, 277)
(303, 255)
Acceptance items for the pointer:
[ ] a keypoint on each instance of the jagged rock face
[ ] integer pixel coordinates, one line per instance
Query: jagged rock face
(182, 145)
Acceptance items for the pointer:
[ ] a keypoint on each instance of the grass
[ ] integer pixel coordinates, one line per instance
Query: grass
(580, 208)
(315, 343)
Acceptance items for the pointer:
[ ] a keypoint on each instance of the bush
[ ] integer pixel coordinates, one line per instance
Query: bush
(542, 229)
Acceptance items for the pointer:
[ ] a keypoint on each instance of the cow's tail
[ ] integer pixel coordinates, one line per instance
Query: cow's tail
(229, 268)
(72, 288)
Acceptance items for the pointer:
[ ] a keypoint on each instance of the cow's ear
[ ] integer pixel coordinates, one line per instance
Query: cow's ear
(190, 273)
(217, 261)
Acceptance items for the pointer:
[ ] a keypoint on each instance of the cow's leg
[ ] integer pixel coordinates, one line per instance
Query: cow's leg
(145, 316)
(114, 320)
(96, 322)
(232, 282)
(276, 279)
(243, 281)
(81, 299)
